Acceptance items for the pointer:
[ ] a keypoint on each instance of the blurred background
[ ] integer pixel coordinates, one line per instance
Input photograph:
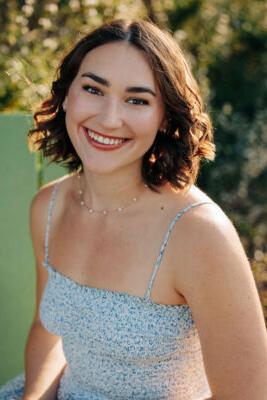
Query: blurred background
(225, 43)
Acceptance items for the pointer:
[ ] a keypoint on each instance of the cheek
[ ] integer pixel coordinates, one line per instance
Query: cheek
(76, 105)
(75, 113)
(147, 124)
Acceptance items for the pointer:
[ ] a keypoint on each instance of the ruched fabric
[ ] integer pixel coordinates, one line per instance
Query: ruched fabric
(119, 346)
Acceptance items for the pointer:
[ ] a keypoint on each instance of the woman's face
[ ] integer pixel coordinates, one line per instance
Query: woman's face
(113, 108)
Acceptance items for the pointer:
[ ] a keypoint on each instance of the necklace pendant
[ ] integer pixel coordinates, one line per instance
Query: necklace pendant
(104, 212)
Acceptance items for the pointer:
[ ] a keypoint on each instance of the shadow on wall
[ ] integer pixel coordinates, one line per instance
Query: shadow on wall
(17, 283)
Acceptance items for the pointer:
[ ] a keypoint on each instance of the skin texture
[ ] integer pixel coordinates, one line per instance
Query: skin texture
(113, 111)
(44, 359)
(204, 264)
(219, 287)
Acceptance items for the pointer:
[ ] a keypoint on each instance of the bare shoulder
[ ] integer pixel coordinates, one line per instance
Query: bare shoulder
(208, 243)
(39, 208)
(214, 275)
(42, 196)
(204, 221)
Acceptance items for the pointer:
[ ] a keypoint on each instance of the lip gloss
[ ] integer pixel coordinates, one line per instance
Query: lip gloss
(102, 146)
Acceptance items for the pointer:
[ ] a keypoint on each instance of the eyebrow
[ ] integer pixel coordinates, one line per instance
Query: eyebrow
(105, 82)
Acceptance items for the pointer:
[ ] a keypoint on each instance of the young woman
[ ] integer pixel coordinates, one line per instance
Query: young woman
(143, 288)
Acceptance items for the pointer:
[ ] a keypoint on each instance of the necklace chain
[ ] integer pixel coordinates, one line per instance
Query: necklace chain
(104, 211)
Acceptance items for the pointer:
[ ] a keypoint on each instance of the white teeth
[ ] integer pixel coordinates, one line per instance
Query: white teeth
(104, 140)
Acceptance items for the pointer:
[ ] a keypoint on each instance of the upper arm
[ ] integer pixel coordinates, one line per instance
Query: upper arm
(38, 221)
(219, 287)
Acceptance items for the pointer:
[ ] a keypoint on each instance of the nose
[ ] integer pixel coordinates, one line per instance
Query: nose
(111, 116)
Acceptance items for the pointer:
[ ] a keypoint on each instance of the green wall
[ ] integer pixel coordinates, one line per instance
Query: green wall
(17, 283)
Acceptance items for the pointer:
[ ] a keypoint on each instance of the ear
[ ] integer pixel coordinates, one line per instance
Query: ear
(64, 104)
(164, 125)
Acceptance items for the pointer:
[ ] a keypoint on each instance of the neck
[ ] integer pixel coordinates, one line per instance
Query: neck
(108, 192)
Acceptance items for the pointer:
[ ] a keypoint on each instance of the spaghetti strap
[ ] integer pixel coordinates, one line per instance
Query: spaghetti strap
(164, 244)
(49, 217)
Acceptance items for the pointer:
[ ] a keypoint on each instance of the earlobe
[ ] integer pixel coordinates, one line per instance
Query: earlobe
(64, 104)
(166, 123)
(164, 126)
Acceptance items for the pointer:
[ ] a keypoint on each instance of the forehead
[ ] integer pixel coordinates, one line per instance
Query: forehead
(119, 62)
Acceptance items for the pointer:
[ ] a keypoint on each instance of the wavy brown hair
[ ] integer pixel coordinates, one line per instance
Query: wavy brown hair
(175, 155)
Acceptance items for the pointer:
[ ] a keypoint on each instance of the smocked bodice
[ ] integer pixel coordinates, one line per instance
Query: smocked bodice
(120, 346)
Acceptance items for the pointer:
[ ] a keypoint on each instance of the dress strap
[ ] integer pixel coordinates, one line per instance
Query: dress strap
(165, 241)
(48, 224)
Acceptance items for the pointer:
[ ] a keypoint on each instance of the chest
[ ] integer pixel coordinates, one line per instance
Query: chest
(97, 247)
(125, 321)
(117, 254)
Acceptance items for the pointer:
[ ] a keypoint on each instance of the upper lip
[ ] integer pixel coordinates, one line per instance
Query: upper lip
(104, 135)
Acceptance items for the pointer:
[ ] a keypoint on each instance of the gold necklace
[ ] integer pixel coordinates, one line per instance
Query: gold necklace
(104, 211)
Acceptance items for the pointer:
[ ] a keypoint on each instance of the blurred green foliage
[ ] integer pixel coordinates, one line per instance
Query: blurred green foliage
(225, 42)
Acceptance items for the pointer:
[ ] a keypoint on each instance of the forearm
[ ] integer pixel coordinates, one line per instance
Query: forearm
(44, 364)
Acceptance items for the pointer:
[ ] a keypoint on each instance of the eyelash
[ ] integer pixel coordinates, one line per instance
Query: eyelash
(144, 102)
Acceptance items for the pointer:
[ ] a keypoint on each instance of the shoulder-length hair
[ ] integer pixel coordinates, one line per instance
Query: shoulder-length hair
(175, 155)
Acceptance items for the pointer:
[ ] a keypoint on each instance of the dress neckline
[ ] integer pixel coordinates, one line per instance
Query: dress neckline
(88, 288)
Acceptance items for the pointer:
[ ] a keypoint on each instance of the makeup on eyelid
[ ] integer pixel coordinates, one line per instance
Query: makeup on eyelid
(132, 89)
(110, 126)
(143, 101)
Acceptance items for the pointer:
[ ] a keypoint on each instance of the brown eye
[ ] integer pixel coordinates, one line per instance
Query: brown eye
(91, 89)
(139, 102)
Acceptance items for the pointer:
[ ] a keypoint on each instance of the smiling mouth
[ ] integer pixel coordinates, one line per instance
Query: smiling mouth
(102, 140)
